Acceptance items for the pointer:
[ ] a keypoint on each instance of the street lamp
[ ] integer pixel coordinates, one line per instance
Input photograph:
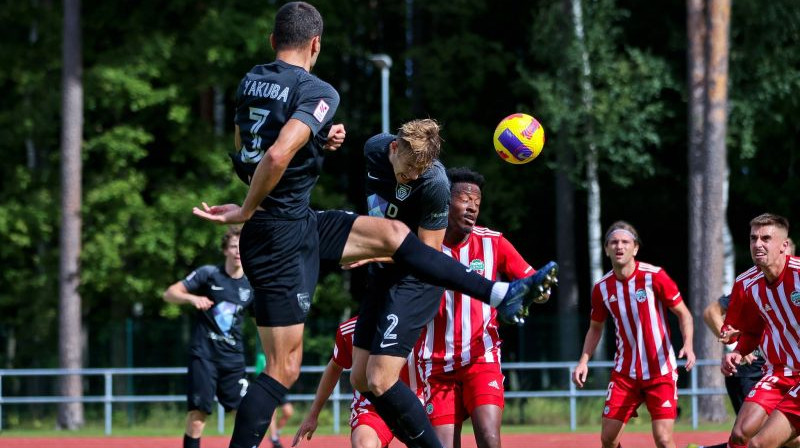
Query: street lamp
(383, 62)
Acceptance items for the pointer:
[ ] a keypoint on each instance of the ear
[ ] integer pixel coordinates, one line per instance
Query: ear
(393, 147)
(316, 45)
(635, 249)
(272, 41)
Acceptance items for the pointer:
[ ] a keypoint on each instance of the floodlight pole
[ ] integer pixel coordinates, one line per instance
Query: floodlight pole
(383, 62)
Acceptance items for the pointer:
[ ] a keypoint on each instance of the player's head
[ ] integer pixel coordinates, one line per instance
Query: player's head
(415, 149)
(230, 245)
(622, 243)
(465, 199)
(298, 25)
(769, 239)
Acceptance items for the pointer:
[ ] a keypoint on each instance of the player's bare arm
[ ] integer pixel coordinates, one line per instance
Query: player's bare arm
(179, 295)
(686, 324)
(713, 317)
(581, 371)
(326, 385)
(269, 171)
(432, 238)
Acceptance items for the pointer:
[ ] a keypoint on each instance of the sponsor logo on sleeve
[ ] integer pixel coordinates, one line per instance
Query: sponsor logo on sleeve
(321, 110)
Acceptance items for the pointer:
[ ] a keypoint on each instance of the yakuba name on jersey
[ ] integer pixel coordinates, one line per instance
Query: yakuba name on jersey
(266, 90)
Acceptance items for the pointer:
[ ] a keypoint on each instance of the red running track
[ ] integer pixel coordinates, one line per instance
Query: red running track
(558, 440)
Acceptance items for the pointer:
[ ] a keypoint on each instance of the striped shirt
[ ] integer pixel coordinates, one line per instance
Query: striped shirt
(464, 330)
(637, 306)
(343, 357)
(769, 318)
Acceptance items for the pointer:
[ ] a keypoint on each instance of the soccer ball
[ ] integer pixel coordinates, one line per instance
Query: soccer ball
(518, 138)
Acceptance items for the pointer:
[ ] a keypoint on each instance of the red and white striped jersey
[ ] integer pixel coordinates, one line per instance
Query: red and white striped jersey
(770, 319)
(343, 356)
(637, 306)
(465, 330)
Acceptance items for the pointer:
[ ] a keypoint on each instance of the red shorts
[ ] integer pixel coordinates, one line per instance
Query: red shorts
(452, 396)
(363, 413)
(625, 394)
(790, 406)
(768, 392)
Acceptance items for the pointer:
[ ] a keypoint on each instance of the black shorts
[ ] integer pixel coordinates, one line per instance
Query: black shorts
(206, 379)
(281, 260)
(393, 311)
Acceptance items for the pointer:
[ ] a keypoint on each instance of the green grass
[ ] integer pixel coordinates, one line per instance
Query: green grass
(167, 420)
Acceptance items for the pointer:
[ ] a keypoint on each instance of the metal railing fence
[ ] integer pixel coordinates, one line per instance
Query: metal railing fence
(108, 398)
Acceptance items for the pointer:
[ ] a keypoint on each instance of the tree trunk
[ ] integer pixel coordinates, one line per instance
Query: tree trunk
(70, 415)
(565, 254)
(708, 68)
(592, 180)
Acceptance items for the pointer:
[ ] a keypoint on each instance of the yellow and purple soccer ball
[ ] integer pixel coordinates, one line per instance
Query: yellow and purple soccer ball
(518, 138)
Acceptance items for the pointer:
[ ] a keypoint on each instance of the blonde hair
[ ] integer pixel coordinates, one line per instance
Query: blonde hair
(421, 138)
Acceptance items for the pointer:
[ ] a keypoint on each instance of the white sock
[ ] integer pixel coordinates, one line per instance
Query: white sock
(499, 290)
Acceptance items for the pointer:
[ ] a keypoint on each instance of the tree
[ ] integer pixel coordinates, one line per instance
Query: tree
(708, 25)
(601, 99)
(70, 415)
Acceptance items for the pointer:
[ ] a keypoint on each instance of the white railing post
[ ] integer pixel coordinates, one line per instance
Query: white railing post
(693, 385)
(336, 407)
(220, 419)
(573, 420)
(107, 400)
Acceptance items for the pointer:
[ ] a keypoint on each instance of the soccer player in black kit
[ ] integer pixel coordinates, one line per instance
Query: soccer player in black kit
(221, 295)
(284, 123)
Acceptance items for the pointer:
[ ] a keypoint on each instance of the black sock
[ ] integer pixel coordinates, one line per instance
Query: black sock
(255, 411)
(189, 442)
(399, 405)
(436, 268)
(389, 416)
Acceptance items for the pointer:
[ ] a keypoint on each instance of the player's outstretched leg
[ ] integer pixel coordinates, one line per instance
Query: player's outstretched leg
(525, 291)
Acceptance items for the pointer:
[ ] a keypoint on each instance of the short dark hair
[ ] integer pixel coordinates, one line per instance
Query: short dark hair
(296, 23)
(463, 174)
(233, 231)
(770, 219)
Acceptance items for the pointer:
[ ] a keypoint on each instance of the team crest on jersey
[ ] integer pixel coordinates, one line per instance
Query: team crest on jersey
(429, 408)
(402, 191)
(477, 266)
(304, 300)
(641, 295)
(606, 410)
(795, 298)
(244, 294)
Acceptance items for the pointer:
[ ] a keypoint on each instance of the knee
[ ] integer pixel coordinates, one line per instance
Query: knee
(285, 373)
(196, 423)
(739, 436)
(487, 439)
(663, 440)
(394, 233)
(288, 411)
(379, 383)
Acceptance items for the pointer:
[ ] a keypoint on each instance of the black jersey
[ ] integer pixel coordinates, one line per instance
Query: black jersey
(268, 96)
(421, 203)
(217, 332)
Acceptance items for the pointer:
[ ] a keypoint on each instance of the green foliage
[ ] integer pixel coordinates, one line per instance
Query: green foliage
(627, 115)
